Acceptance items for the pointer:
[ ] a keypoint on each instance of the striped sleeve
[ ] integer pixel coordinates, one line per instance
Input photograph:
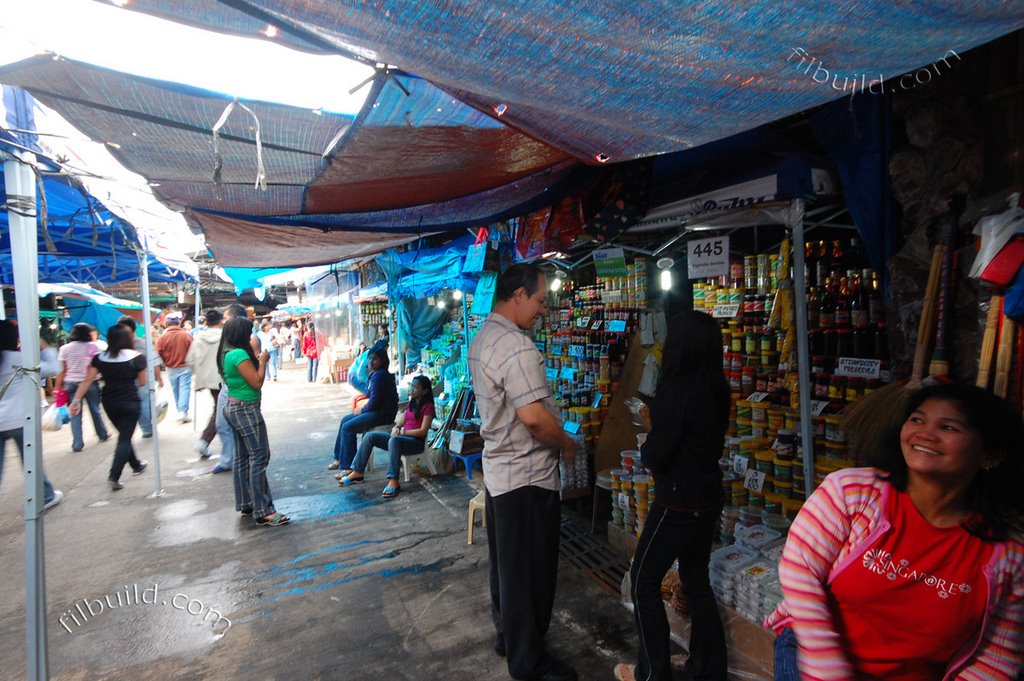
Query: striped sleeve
(525, 380)
(1000, 652)
(816, 538)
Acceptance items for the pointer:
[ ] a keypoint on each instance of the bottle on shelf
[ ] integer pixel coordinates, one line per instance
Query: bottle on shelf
(813, 308)
(842, 313)
(827, 305)
(876, 307)
(859, 302)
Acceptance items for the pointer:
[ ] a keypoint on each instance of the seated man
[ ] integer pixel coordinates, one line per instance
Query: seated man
(379, 410)
(408, 438)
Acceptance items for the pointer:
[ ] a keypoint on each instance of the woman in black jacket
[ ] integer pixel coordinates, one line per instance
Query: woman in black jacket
(689, 415)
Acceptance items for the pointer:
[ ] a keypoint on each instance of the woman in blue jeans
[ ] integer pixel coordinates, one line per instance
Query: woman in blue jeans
(243, 374)
(75, 356)
(408, 438)
(379, 410)
(688, 420)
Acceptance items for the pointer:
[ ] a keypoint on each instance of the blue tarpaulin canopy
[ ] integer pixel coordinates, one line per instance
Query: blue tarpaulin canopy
(419, 273)
(512, 105)
(81, 240)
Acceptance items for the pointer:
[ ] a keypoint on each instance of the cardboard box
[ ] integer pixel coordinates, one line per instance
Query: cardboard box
(465, 443)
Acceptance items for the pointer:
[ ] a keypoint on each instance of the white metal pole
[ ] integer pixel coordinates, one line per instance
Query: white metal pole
(21, 200)
(195, 393)
(803, 360)
(147, 321)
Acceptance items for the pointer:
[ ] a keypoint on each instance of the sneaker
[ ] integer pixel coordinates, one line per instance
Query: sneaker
(115, 485)
(147, 435)
(142, 467)
(104, 438)
(58, 497)
(76, 449)
(184, 418)
(219, 469)
(203, 448)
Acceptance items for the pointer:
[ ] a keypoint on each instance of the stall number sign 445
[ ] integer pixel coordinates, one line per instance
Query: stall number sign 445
(707, 257)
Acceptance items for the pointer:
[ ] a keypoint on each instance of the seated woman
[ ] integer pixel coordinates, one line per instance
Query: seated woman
(379, 410)
(408, 438)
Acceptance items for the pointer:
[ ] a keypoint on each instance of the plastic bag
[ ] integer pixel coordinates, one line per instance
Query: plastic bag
(51, 419)
(161, 406)
(358, 376)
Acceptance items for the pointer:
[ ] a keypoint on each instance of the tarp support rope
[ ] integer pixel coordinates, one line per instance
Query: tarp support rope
(44, 217)
(218, 163)
(25, 207)
(31, 372)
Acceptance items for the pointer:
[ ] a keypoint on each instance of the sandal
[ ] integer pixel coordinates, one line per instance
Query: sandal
(275, 520)
(247, 511)
(347, 480)
(342, 473)
(333, 466)
(391, 492)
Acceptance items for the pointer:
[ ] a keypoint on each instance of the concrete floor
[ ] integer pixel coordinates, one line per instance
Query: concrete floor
(356, 587)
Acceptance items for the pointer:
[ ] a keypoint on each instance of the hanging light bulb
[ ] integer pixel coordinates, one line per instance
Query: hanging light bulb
(456, 294)
(665, 265)
(440, 303)
(558, 280)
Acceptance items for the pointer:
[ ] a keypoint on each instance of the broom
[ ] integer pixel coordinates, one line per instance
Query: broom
(988, 342)
(868, 420)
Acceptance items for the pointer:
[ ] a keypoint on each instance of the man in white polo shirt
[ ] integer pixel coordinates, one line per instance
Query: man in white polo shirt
(523, 437)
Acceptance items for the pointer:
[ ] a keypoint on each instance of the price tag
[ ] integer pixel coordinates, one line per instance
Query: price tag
(577, 351)
(758, 397)
(556, 350)
(616, 325)
(597, 401)
(552, 374)
(818, 406)
(739, 465)
(707, 257)
(568, 373)
(726, 310)
(754, 480)
(571, 427)
(623, 501)
(859, 368)
(540, 347)
(583, 322)
(596, 326)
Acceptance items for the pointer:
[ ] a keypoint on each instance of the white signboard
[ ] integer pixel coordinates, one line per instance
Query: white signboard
(707, 257)
(726, 310)
(859, 368)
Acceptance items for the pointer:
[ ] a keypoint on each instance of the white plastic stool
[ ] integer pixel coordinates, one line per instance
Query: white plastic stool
(477, 502)
(409, 459)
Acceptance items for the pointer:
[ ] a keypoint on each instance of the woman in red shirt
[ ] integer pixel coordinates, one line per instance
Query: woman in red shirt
(913, 570)
(311, 350)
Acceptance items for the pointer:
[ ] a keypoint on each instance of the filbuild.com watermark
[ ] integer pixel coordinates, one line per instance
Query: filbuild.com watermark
(84, 609)
(860, 83)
